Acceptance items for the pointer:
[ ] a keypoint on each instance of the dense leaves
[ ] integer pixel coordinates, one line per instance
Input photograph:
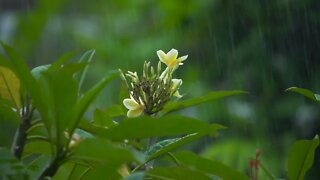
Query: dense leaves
(62, 144)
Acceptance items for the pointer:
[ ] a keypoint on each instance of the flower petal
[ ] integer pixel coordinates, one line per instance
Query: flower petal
(177, 94)
(130, 104)
(183, 58)
(172, 55)
(134, 113)
(162, 56)
(176, 82)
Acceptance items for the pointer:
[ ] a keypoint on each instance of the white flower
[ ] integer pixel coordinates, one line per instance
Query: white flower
(170, 59)
(176, 83)
(135, 109)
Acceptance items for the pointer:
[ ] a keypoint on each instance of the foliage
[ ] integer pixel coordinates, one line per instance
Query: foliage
(54, 139)
(53, 136)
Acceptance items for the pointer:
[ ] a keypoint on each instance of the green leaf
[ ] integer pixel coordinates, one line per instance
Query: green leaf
(27, 80)
(37, 166)
(91, 128)
(168, 145)
(190, 159)
(176, 173)
(165, 146)
(102, 118)
(101, 151)
(9, 86)
(135, 176)
(61, 92)
(37, 71)
(305, 92)
(89, 97)
(301, 156)
(4, 62)
(144, 127)
(87, 58)
(9, 165)
(211, 96)
(64, 172)
(267, 172)
(115, 110)
(37, 147)
(59, 63)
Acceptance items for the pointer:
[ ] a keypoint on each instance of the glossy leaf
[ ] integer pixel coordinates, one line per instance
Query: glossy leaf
(305, 92)
(211, 96)
(9, 86)
(144, 127)
(190, 159)
(301, 157)
(176, 173)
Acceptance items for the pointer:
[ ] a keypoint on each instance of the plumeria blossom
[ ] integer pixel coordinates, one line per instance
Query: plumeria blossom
(151, 91)
(176, 83)
(171, 58)
(135, 108)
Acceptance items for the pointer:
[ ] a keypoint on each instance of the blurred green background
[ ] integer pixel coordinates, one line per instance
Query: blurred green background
(261, 46)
